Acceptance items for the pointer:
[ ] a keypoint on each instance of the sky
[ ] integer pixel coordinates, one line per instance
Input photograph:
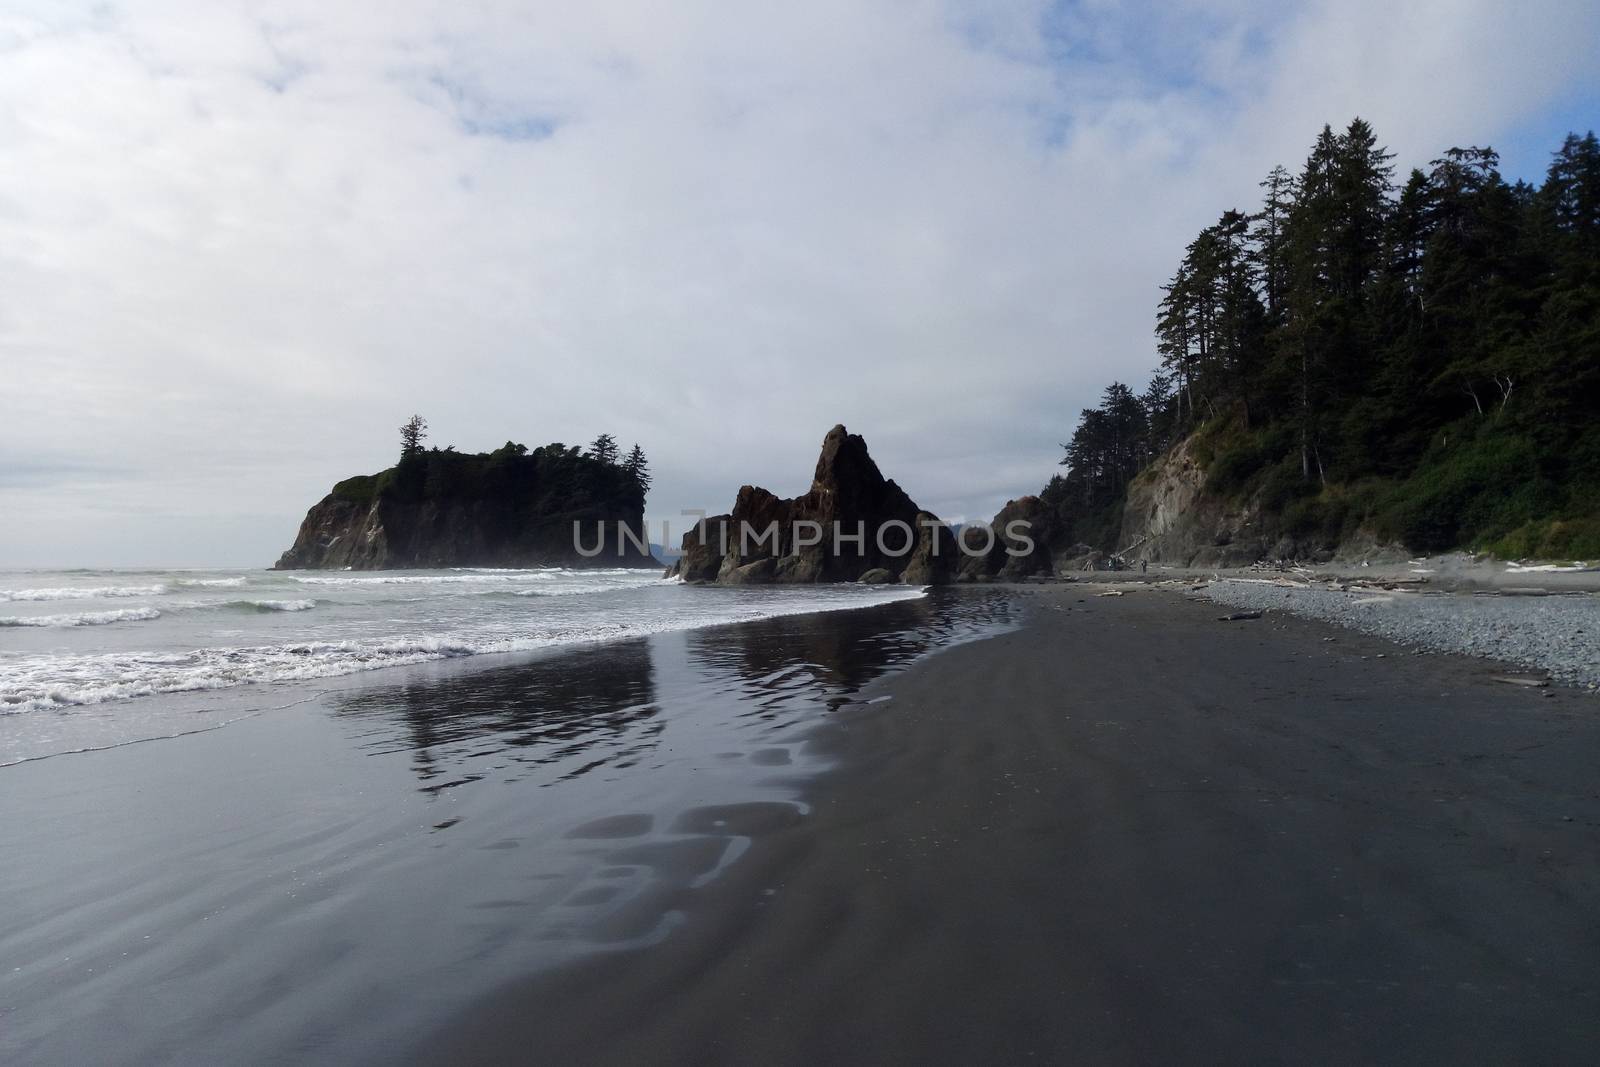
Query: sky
(240, 242)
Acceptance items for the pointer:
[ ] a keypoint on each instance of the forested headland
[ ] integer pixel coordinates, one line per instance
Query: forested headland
(512, 507)
(1417, 359)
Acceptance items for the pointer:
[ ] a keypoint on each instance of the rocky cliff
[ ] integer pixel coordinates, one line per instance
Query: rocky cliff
(1170, 518)
(1173, 516)
(508, 508)
(765, 537)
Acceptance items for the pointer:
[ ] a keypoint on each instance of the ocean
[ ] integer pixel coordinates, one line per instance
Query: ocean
(312, 817)
(85, 653)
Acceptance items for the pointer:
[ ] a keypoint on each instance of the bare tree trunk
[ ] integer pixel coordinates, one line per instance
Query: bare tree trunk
(1305, 418)
(1473, 393)
(1505, 389)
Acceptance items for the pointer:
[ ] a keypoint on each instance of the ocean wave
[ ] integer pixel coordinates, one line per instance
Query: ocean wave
(83, 618)
(99, 592)
(479, 577)
(274, 605)
(551, 572)
(271, 605)
(418, 579)
(579, 590)
(54, 682)
(213, 583)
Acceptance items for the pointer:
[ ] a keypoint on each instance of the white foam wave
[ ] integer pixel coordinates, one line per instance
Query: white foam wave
(99, 592)
(418, 579)
(274, 605)
(573, 590)
(54, 682)
(83, 618)
(474, 577)
(213, 583)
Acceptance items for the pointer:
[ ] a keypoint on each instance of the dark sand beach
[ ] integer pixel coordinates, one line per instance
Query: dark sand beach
(992, 825)
(1128, 832)
(346, 865)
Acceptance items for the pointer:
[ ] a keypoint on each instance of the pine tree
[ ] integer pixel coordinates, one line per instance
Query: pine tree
(1268, 235)
(1159, 416)
(1174, 343)
(412, 435)
(1573, 187)
(638, 468)
(604, 449)
(1435, 348)
(1361, 187)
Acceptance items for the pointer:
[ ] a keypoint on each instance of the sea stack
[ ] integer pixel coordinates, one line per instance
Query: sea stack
(764, 538)
(508, 508)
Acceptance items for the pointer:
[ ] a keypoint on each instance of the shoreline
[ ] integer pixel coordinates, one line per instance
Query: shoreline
(342, 875)
(1126, 832)
(145, 685)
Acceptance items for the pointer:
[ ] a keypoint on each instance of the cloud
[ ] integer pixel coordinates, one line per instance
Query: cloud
(239, 243)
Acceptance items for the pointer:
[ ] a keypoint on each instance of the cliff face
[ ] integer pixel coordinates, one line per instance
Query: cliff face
(508, 508)
(847, 489)
(1170, 518)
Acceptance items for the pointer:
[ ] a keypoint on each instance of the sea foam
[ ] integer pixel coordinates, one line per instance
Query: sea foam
(82, 593)
(271, 605)
(82, 618)
(50, 682)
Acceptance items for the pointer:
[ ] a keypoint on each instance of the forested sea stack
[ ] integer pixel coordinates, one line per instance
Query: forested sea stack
(508, 508)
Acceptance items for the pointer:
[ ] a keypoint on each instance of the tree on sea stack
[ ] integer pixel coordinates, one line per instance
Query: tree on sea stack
(638, 468)
(411, 435)
(604, 449)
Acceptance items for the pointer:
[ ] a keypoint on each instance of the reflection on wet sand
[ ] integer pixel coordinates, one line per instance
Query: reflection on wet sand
(376, 859)
(664, 757)
(608, 706)
(543, 712)
(780, 665)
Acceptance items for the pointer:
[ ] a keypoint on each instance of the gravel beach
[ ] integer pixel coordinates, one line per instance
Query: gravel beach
(1556, 634)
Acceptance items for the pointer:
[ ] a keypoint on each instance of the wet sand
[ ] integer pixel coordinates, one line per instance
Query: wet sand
(1128, 832)
(328, 872)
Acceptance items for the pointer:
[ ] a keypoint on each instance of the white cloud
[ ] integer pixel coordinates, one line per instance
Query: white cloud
(240, 242)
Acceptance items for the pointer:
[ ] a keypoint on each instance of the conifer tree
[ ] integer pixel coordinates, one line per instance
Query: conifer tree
(638, 468)
(411, 435)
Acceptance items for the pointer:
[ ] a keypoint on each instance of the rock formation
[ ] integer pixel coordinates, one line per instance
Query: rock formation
(765, 537)
(508, 508)
(1016, 544)
(1172, 516)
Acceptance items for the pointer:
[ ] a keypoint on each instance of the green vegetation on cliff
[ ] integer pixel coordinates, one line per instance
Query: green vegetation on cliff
(509, 507)
(548, 479)
(1420, 362)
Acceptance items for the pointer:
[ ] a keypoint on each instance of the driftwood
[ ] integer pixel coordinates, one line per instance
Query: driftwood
(1528, 680)
(1239, 616)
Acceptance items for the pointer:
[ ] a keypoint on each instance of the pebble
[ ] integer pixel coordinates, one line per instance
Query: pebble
(1552, 633)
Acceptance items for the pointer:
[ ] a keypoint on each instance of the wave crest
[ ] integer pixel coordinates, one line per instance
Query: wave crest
(83, 618)
(54, 682)
(99, 592)
(271, 605)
